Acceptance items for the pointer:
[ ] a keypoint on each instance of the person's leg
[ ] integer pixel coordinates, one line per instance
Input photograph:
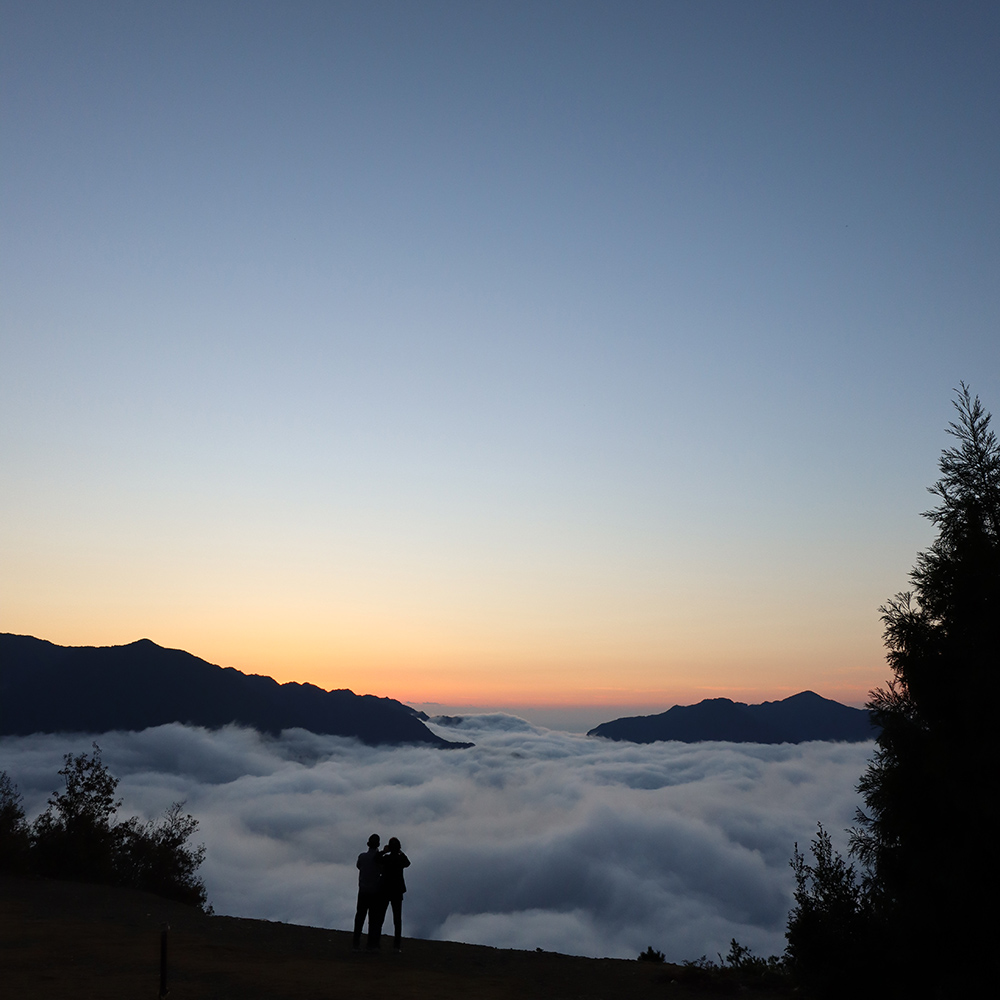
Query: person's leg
(359, 919)
(397, 921)
(376, 915)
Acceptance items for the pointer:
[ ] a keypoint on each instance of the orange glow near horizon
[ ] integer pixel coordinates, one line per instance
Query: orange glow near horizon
(639, 642)
(496, 675)
(471, 617)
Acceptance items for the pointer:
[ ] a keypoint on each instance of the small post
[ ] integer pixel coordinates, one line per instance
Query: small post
(164, 930)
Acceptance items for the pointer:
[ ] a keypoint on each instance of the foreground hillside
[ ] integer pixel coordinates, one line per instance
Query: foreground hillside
(63, 939)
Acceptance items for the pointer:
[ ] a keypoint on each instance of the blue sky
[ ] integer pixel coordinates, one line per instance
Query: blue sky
(490, 353)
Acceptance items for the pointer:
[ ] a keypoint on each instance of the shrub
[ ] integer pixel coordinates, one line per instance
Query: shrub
(154, 856)
(829, 929)
(78, 838)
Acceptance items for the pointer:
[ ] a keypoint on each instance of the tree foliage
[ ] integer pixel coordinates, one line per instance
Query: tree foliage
(651, 955)
(75, 837)
(928, 788)
(14, 838)
(78, 837)
(928, 784)
(830, 931)
(155, 856)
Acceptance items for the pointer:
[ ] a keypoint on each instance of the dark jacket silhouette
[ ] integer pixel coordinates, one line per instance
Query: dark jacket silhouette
(371, 900)
(394, 885)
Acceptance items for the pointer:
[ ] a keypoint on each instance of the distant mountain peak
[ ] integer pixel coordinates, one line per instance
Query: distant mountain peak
(797, 719)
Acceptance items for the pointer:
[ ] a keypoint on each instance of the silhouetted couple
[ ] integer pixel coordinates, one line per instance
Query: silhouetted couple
(380, 885)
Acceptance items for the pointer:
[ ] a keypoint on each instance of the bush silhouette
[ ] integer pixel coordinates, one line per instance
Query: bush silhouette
(78, 838)
(154, 856)
(75, 837)
(829, 932)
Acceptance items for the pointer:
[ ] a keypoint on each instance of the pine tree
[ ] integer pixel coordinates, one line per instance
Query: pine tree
(929, 789)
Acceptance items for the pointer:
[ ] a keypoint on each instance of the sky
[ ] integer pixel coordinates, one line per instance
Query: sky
(588, 356)
(533, 839)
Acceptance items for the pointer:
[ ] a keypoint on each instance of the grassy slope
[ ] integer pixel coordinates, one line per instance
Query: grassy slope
(62, 939)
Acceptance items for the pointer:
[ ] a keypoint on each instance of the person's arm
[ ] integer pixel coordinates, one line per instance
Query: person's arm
(404, 859)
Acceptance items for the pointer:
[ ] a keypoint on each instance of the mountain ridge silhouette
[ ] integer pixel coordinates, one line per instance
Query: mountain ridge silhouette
(798, 719)
(49, 688)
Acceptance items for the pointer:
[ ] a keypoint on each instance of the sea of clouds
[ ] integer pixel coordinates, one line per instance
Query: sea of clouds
(534, 838)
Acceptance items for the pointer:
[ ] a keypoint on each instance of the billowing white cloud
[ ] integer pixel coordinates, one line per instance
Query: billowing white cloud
(533, 838)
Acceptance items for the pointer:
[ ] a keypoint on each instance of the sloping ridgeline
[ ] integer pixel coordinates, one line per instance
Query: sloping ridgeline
(45, 688)
(802, 717)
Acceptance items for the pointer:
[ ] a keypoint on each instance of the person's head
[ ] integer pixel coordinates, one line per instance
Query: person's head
(374, 840)
(393, 844)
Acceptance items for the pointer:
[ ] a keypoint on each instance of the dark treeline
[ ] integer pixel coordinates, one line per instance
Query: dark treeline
(912, 914)
(79, 838)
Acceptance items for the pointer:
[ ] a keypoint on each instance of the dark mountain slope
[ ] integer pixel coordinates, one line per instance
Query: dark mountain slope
(48, 688)
(802, 717)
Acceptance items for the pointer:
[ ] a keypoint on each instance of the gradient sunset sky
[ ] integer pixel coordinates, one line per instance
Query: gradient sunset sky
(503, 354)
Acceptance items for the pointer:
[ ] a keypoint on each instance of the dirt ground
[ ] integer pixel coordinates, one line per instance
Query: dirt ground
(60, 939)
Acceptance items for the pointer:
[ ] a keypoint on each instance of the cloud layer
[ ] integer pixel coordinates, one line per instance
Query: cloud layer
(534, 838)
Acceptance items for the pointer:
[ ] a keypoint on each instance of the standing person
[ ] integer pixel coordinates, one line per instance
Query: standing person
(394, 885)
(370, 900)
